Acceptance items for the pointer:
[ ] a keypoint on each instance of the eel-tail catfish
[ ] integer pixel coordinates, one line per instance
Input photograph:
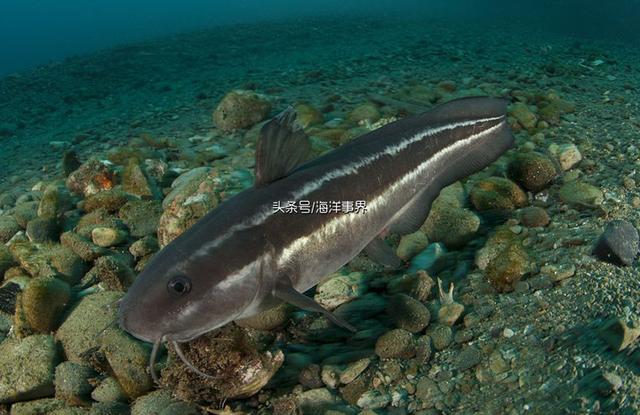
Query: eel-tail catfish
(247, 255)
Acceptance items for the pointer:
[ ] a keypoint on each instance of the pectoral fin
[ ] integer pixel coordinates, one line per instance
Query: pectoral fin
(287, 293)
(380, 252)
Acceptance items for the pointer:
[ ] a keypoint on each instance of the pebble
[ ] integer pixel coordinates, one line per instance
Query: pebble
(307, 115)
(54, 202)
(469, 357)
(534, 216)
(107, 237)
(423, 349)
(160, 402)
(374, 399)
(330, 376)
(441, 336)
(364, 112)
(310, 377)
(568, 155)
(618, 244)
(353, 370)
(558, 272)
(142, 217)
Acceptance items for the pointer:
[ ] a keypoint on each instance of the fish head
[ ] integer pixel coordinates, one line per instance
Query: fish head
(181, 295)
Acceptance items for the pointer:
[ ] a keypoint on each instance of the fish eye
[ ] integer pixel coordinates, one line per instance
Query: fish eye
(179, 285)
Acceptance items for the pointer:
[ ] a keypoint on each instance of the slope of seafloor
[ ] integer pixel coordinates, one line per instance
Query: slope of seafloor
(92, 147)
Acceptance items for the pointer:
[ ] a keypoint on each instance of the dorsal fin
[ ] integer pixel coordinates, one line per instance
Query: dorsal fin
(282, 146)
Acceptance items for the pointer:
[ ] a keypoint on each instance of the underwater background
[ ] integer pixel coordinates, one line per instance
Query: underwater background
(113, 142)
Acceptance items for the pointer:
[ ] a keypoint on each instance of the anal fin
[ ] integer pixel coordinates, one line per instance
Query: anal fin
(287, 293)
(380, 252)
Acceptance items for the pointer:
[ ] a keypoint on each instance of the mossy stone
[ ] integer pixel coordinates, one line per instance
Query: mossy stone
(110, 200)
(417, 285)
(308, 115)
(521, 112)
(27, 368)
(364, 112)
(497, 193)
(580, 194)
(6, 260)
(269, 319)
(128, 358)
(142, 217)
(73, 382)
(412, 244)
(454, 227)
(136, 182)
(41, 230)
(107, 236)
(25, 211)
(79, 334)
(37, 406)
(397, 343)
(532, 170)
(55, 201)
(40, 306)
(241, 109)
(109, 390)
(8, 227)
(506, 268)
(408, 313)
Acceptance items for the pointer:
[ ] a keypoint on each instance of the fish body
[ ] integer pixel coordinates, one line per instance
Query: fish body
(247, 254)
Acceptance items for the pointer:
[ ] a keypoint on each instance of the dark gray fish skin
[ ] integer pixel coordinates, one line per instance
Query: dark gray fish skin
(242, 258)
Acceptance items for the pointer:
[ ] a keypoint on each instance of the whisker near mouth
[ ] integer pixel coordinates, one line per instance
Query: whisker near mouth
(152, 359)
(187, 363)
